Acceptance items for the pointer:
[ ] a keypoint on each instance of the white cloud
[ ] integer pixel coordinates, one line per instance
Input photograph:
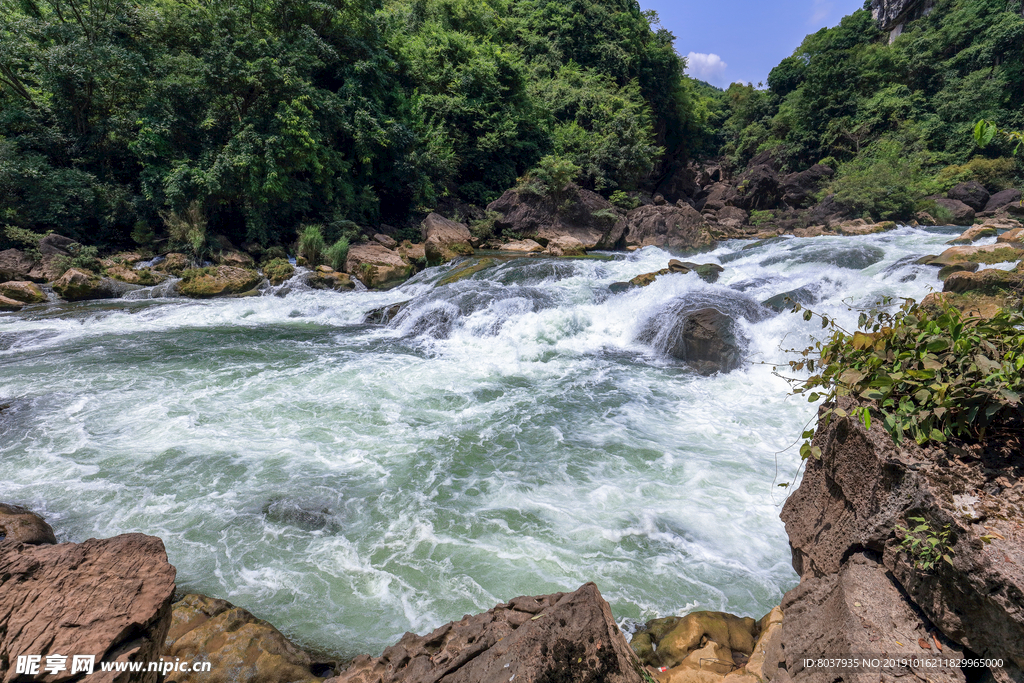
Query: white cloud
(821, 11)
(706, 67)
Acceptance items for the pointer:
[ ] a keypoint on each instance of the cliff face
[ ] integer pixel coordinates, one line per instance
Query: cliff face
(844, 526)
(892, 15)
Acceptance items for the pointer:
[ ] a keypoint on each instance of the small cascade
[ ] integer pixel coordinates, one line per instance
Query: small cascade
(167, 289)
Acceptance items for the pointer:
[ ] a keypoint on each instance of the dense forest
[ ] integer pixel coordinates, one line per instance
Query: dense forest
(263, 116)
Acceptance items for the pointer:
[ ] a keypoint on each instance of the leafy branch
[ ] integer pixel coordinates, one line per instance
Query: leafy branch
(986, 131)
(932, 377)
(926, 545)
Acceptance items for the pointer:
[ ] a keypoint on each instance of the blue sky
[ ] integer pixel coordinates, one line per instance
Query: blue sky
(741, 40)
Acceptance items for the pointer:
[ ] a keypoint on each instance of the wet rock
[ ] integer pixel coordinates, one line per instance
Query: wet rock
(22, 291)
(523, 246)
(805, 295)
(705, 338)
(1015, 235)
(56, 245)
(578, 213)
(669, 227)
(851, 500)
(385, 241)
(278, 271)
(110, 598)
(1002, 199)
(377, 267)
(565, 245)
(862, 227)
(544, 639)
(988, 253)
(972, 193)
(80, 285)
(973, 234)
(466, 270)
(971, 305)
(14, 265)
(325, 277)
(860, 610)
(174, 264)
(444, 240)
(955, 267)
(9, 305)
(238, 646)
(18, 525)
(143, 276)
(384, 314)
(206, 283)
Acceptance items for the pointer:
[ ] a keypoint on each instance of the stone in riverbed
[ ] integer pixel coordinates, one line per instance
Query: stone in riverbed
(81, 285)
(376, 266)
(565, 245)
(325, 277)
(206, 283)
(18, 525)
(972, 193)
(972, 235)
(562, 637)
(14, 265)
(444, 240)
(23, 291)
(523, 246)
(1002, 199)
(238, 646)
(10, 304)
(173, 264)
(110, 598)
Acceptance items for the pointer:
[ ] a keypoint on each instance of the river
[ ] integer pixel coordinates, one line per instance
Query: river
(507, 434)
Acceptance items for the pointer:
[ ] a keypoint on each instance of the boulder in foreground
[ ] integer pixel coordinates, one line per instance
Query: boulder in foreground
(108, 598)
(376, 266)
(564, 637)
(444, 240)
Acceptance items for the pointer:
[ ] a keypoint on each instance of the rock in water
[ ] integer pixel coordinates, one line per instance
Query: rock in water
(709, 342)
(444, 240)
(18, 525)
(239, 647)
(376, 266)
(972, 193)
(669, 227)
(14, 265)
(568, 637)
(81, 285)
(205, 283)
(581, 214)
(110, 598)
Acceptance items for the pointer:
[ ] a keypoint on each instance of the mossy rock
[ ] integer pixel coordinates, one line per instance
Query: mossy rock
(278, 270)
(23, 292)
(206, 283)
(465, 271)
(173, 264)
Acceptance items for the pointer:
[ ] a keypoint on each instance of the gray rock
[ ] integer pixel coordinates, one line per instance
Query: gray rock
(971, 193)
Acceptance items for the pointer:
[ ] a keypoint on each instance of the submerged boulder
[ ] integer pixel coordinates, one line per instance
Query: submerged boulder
(443, 240)
(7, 304)
(238, 646)
(108, 598)
(561, 637)
(214, 281)
(706, 338)
(376, 266)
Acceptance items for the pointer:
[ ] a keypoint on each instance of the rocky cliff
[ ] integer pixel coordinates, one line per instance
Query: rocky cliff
(892, 15)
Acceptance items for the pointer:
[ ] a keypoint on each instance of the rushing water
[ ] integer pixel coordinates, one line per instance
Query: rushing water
(505, 435)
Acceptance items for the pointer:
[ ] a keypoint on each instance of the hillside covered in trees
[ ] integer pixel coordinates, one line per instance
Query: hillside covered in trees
(267, 115)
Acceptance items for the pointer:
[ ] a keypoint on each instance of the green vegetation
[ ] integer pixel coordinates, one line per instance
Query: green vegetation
(312, 245)
(337, 253)
(894, 120)
(123, 122)
(932, 377)
(926, 545)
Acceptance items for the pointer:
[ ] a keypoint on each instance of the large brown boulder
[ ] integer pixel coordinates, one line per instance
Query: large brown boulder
(325, 277)
(798, 189)
(584, 215)
(1002, 199)
(214, 281)
(444, 240)
(7, 304)
(77, 284)
(108, 598)
(988, 281)
(376, 266)
(864, 486)
(758, 188)
(719, 195)
(237, 645)
(669, 227)
(14, 265)
(960, 212)
(972, 193)
(56, 245)
(25, 292)
(18, 525)
(568, 637)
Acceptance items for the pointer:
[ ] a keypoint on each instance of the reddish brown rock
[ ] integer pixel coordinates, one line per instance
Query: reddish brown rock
(864, 486)
(568, 637)
(238, 646)
(110, 598)
(670, 227)
(18, 525)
